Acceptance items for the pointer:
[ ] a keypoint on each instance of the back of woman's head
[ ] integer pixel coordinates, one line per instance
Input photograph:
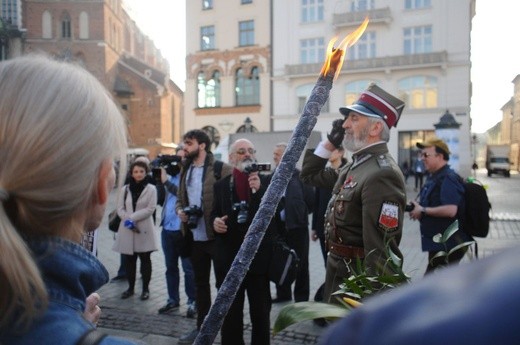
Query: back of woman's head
(58, 125)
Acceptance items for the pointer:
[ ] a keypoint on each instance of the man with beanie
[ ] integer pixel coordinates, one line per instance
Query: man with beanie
(364, 217)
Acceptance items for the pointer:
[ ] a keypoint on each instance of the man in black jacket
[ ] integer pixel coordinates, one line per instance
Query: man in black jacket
(236, 200)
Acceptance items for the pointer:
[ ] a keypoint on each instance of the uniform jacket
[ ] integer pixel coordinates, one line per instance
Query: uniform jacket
(207, 192)
(367, 203)
(130, 242)
(70, 273)
(227, 245)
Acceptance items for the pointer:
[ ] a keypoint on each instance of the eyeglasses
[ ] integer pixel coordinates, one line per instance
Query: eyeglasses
(426, 155)
(243, 151)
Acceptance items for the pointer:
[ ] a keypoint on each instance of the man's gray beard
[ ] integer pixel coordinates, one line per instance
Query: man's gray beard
(243, 164)
(355, 144)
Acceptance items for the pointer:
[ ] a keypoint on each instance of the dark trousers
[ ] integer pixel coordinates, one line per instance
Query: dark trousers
(419, 180)
(146, 269)
(259, 298)
(453, 258)
(171, 243)
(298, 239)
(202, 255)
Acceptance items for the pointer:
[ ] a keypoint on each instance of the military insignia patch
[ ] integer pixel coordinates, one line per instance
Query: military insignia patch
(389, 216)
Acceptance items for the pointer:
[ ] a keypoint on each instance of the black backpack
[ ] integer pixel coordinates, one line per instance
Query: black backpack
(474, 219)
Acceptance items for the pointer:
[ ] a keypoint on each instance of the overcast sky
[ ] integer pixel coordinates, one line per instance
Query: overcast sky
(495, 51)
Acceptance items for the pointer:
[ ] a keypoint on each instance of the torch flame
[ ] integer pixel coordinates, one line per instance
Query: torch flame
(335, 56)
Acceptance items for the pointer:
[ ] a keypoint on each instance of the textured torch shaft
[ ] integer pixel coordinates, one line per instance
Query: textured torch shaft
(228, 290)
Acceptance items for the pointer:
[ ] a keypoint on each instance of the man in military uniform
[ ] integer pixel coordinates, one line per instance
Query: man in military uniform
(365, 213)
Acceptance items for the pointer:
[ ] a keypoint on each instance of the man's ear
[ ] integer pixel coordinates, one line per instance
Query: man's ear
(203, 146)
(376, 129)
(105, 182)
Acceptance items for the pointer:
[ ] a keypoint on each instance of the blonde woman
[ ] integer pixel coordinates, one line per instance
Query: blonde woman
(60, 132)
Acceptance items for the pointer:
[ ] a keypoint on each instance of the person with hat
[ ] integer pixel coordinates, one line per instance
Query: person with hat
(364, 217)
(438, 205)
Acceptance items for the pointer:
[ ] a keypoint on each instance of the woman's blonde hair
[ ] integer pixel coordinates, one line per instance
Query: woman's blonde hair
(58, 125)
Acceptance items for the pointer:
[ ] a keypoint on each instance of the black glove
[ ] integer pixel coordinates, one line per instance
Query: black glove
(337, 133)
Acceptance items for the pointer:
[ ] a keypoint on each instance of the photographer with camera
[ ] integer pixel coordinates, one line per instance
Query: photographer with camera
(237, 199)
(194, 204)
(167, 174)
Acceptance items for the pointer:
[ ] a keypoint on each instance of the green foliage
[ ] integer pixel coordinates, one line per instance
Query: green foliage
(443, 239)
(359, 285)
(303, 311)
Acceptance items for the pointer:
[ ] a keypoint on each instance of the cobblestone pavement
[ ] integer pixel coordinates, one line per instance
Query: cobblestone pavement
(139, 319)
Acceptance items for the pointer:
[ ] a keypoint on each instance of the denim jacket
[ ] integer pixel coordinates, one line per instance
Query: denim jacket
(71, 274)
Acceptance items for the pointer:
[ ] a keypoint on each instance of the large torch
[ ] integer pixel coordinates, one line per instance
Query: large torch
(240, 266)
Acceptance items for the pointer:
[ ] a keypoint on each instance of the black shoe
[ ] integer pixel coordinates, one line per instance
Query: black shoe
(188, 338)
(127, 294)
(145, 295)
(281, 300)
(320, 322)
(118, 278)
(168, 307)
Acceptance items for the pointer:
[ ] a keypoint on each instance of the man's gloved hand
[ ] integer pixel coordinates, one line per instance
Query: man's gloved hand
(337, 133)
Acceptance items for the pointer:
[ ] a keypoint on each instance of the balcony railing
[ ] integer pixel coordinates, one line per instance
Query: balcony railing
(438, 59)
(356, 18)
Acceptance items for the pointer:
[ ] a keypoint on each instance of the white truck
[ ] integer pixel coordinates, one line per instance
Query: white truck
(497, 160)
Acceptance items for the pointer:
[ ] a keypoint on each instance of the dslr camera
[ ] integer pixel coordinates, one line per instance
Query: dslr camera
(243, 210)
(253, 167)
(170, 163)
(194, 213)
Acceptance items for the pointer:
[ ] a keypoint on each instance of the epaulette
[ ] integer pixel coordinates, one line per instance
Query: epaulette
(383, 162)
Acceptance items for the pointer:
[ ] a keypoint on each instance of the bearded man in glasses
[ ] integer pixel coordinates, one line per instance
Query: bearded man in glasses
(236, 200)
(438, 205)
(194, 204)
(364, 217)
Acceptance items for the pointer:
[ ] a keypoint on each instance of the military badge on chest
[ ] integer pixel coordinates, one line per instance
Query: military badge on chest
(389, 216)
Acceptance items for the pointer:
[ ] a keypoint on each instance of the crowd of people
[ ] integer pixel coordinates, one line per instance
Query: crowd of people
(49, 280)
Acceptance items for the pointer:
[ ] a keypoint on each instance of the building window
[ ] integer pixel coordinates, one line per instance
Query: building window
(207, 37)
(311, 10)
(417, 40)
(83, 26)
(312, 50)
(302, 94)
(354, 89)
(247, 88)
(365, 48)
(208, 91)
(46, 25)
(243, 2)
(65, 26)
(246, 32)
(9, 11)
(419, 92)
(214, 136)
(415, 4)
(361, 5)
(207, 4)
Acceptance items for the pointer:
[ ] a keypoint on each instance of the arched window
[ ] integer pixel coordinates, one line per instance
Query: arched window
(247, 88)
(354, 89)
(419, 92)
(65, 25)
(213, 134)
(46, 25)
(303, 92)
(83, 26)
(208, 91)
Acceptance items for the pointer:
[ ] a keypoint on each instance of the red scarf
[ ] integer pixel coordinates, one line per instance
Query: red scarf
(241, 184)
